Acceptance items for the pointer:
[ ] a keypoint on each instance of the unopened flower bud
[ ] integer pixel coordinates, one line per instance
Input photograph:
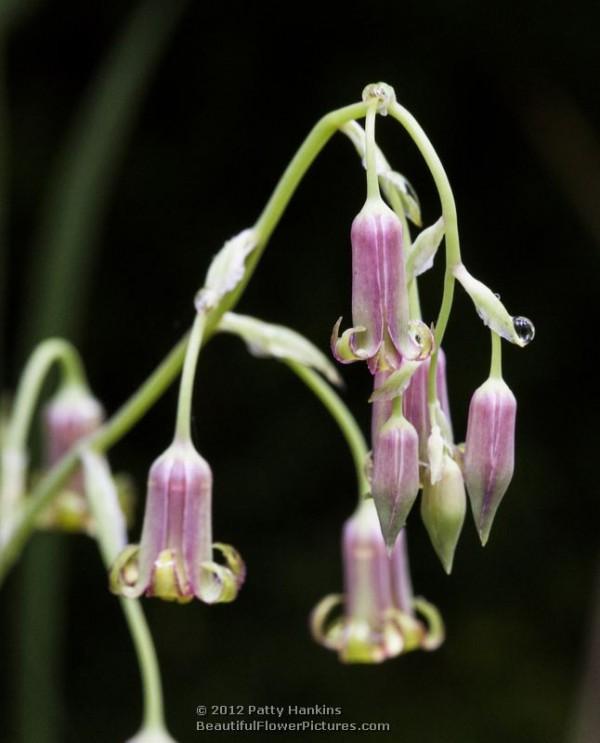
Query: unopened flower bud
(489, 450)
(174, 560)
(70, 416)
(395, 482)
(443, 506)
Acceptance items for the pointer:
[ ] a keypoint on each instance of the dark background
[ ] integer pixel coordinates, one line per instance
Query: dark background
(509, 97)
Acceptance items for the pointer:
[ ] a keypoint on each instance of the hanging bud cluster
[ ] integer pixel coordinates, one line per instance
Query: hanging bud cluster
(412, 437)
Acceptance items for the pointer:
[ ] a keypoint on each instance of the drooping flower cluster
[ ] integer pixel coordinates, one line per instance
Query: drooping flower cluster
(412, 437)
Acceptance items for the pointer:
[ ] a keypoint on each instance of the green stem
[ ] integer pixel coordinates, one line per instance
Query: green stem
(143, 399)
(183, 426)
(371, 153)
(414, 129)
(496, 363)
(100, 491)
(342, 416)
(397, 411)
(317, 138)
(51, 351)
(148, 662)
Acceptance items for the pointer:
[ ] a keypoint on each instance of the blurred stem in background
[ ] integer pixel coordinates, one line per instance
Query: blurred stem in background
(569, 147)
(63, 259)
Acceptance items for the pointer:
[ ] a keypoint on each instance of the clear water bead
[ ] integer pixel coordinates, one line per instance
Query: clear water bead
(525, 329)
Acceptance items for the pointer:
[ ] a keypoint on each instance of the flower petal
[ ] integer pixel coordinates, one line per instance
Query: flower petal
(436, 632)
(124, 574)
(344, 348)
(221, 583)
(325, 630)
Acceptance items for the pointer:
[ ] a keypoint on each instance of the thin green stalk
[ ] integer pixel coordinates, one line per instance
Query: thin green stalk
(496, 362)
(317, 138)
(138, 404)
(50, 352)
(414, 129)
(153, 718)
(371, 153)
(183, 426)
(342, 416)
(103, 499)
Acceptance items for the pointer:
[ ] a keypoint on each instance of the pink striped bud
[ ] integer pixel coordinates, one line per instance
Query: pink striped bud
(395, 482)
(174, 560)
(489, 450)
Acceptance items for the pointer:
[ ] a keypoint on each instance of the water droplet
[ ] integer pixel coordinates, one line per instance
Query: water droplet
(525, 329)
(496, 295)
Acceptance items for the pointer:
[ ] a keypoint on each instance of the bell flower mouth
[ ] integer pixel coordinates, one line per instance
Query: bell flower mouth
(361, 641)
(172, 580)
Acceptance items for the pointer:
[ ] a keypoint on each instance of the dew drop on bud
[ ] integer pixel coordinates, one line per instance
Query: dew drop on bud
(525, 329)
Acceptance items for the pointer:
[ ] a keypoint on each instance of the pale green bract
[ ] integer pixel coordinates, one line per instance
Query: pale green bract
(488, 305)
(423, 250)
(226, 270)
(101, 492)
(279, 342)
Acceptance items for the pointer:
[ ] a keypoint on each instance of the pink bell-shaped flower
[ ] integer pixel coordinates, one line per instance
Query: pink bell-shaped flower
(174, 560)
(379, 618)
(380, 333)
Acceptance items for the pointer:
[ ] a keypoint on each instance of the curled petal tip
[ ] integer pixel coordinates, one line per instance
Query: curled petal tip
(343, 348)
(124, 574)
(221, 583)
(435, 633)
(323, 627)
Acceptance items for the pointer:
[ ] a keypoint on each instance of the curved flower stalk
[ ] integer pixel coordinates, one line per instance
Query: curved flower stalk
(380, 618)
(174, 560)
